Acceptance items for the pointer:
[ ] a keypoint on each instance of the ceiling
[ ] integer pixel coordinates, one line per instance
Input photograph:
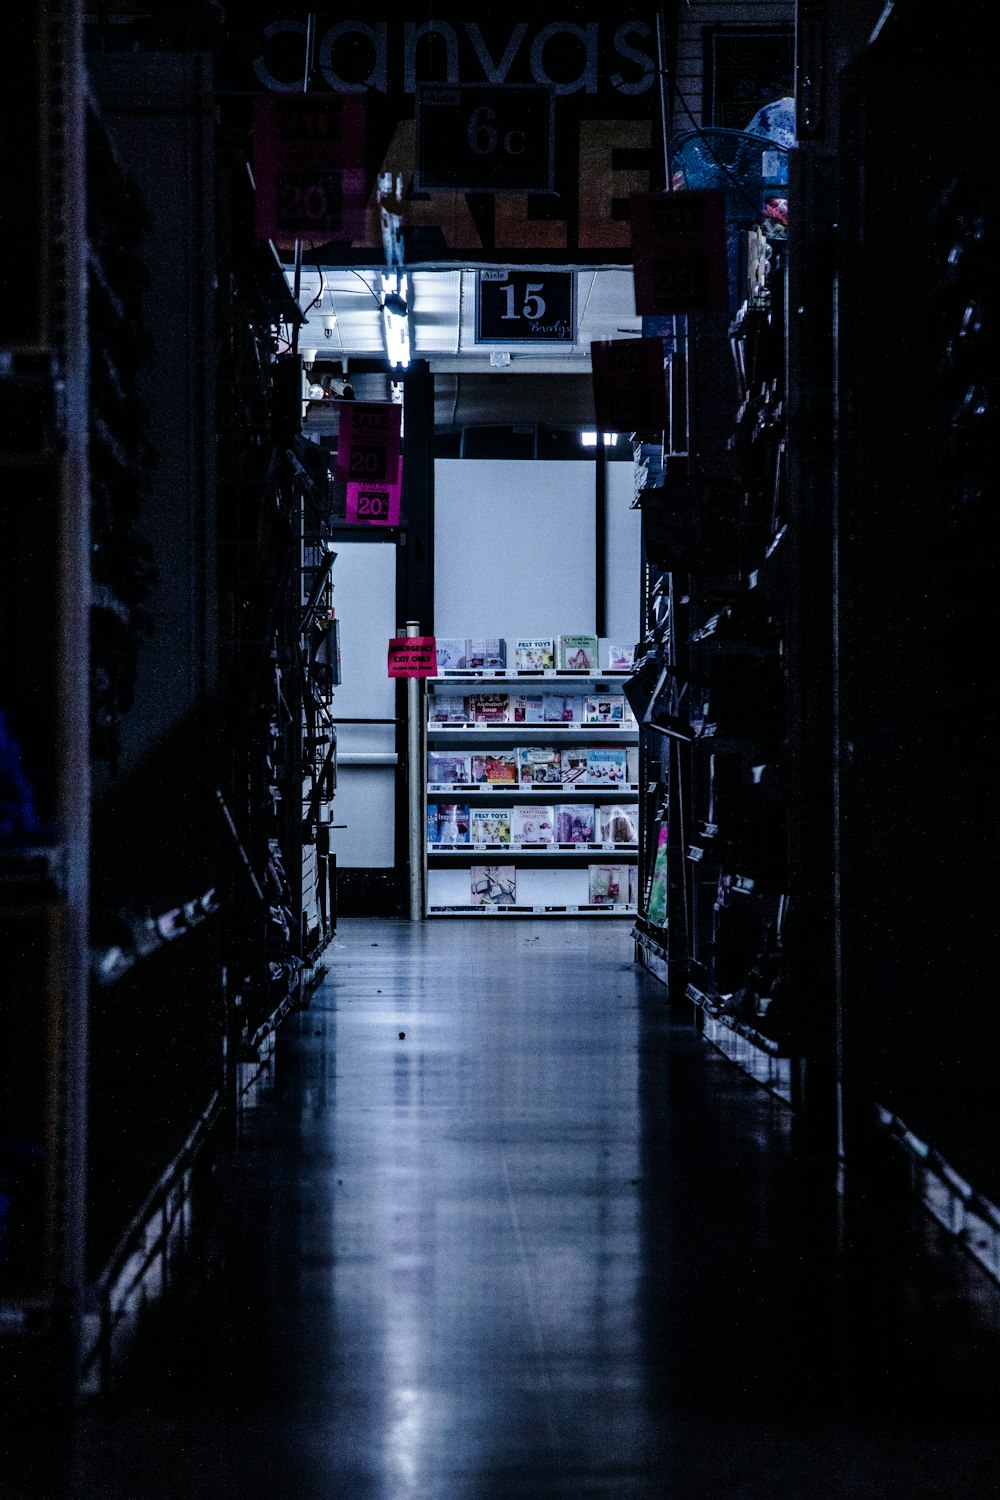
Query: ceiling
(343, 320)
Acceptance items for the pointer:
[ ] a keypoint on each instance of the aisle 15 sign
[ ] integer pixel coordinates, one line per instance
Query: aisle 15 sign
(525, 307)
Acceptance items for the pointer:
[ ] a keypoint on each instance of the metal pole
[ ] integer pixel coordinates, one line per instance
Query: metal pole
(414, 788)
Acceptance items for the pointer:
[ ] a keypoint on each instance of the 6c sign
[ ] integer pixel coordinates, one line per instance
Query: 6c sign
(482, 138)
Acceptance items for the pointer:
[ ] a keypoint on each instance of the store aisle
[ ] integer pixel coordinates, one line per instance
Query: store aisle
(499, 1229)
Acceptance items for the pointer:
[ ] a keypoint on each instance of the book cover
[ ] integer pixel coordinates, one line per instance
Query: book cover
(607, 765)
(528, 708)
(562, 708)
(447, 708)
(531, 825)
(494, 767)
(574, 764)
(489, 708)
(452, 654)
(448, 769)
(657, 913)
(620, 658)
(574, 823)
(487, 653)
(539, 765)
(447, 822)
(604, 708)
(616, 824)
(534, 655)
(608, 885)
(492, 885)
(490, 825)
(577, 653)
(632, 764)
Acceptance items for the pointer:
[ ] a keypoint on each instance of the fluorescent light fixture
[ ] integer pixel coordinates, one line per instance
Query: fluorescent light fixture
(589, 439)
(395, 318)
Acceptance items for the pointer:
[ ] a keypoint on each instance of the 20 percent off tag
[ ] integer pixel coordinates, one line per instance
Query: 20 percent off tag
(374, 504)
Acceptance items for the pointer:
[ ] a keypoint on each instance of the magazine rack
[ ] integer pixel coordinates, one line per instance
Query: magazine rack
(542, 876)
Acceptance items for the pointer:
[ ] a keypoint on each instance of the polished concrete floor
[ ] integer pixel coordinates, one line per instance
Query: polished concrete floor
(498, 1227)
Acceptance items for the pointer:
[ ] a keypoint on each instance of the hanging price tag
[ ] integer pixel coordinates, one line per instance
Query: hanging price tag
(374, 503)
(679, 252)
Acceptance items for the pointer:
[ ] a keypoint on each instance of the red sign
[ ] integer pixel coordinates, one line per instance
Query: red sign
(630, 388)
(679, 253)
(413, 656)
(374, 504)
(368, 444)
(309, 169)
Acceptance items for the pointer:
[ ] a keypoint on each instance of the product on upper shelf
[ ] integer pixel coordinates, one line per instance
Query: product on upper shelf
(616, 824)
(604, 708)
(528, 708)
(490, 825)
(620, 658)
(539, 765)
(451, 654)
(577, 653)
(574, 823)
(487, 653)
(607, 765)
(492, 885)
(447, 769)
(608, 885)
(447, 822)
(531, 825)
(447, 708)
(563, 708)
(489, 708)
(534, 655)
(574, 764)
(494, 766)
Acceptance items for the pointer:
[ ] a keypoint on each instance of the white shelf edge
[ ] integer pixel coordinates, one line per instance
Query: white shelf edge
(530, 911)
(543, 851)
(506, 788)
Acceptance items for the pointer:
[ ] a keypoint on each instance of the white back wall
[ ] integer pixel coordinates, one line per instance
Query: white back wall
(621, 557)
(514, 547)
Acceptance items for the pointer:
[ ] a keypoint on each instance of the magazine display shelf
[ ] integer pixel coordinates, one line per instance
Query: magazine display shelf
(552, 878)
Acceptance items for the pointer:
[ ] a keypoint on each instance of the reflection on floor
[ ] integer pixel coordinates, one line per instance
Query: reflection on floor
(500, 1228)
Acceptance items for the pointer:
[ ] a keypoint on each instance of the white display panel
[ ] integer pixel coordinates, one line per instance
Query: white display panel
(514, 547)
(364, 596)
(622, 555)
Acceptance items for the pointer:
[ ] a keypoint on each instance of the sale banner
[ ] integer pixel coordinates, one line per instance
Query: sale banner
(375, 504)
(309, 167)
(412, 656)
(369, 441)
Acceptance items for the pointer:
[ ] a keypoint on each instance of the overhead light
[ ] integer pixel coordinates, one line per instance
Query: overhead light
(395, 318)
(589, 439)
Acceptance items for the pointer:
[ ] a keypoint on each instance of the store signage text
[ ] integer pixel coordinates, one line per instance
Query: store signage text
(481, 139)
(413, 656)
(469, 57)
(679, 253)
(525, 307)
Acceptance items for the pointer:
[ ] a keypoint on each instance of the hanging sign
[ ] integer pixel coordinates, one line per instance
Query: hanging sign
(679, 252)
(309, 168)
(374, 503)
(630, 388)
(412, 656)
(525, 307)
(485, 138)
(368, 443)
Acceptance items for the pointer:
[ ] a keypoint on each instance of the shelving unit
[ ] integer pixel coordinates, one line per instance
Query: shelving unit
(552, 877)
